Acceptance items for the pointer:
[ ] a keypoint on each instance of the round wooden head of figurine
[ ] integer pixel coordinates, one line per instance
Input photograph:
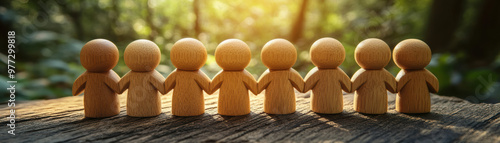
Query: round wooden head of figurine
(233, 55)
(327, 53)
(278, 54)
(188, 54)
(372, 54)
(99, 55)
(412, 54)
(142, 55)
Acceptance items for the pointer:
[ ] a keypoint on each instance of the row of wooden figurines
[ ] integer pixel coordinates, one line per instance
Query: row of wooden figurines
(370, 83)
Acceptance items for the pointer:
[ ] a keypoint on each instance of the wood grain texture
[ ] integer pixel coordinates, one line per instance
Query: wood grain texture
(62, 120)
(370, 90)
(144, 88)
(99, 82)
(279, 86)
(101, 90)
(371, 82)
(188, 86)
(327, 86)
(234, 98)
(414, 81)
(143, 81)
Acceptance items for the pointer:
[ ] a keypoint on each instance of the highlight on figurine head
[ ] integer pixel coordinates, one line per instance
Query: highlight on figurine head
(233, 54)
(327, 53)
(278, 54)
(142, 55)
(372, 54)
(99, 55)
(188, 54)
(412, 54)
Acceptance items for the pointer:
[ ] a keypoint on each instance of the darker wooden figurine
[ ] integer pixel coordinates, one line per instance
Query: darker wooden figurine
(279, 55)
(188, 81)
(99, 82)
(234, 81)
(143, 82)
(414, 81)
(372, 81)
(327, 80)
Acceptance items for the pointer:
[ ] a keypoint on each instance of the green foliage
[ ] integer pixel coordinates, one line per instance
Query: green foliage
(51, 34)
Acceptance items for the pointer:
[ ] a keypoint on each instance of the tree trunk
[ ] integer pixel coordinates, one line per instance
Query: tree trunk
(297, 28)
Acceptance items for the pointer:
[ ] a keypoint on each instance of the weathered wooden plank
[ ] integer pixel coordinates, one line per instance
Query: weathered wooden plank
(62, 120)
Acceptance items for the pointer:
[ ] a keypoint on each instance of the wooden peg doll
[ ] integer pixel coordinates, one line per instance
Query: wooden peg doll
(188, 55)
(414, 81)
(234, 81)
(327, 80)
(372, 81)
(99, 82)
(143, 81)
(279, 55)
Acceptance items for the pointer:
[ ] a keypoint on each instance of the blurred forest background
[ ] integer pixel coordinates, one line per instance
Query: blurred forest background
(463, 35)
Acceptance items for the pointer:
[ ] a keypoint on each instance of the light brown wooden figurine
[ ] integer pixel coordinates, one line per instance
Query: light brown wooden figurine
(234, 81)
(188, 81)
(99, 82)
(279, 55)
(143, 82)
(327, 80)
(372, 81)
(414, 81)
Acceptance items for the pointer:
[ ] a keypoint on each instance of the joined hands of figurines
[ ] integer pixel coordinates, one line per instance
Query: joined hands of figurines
(369, 84)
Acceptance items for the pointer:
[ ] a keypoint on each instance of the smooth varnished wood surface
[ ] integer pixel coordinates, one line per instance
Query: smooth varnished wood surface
(62, 120)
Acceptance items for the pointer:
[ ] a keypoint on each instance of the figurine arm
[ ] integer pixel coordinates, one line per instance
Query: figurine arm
(263, 82)
(401, 80)
(170, 81)
(250, 82)
(345, 82)
(216, 83)
(358, 80)
(311, 79)
(203, 81)
(79, 84)
(390, 82)
(124, 82)
(112, 81)
(432, 82)
(297, 80)
(158, 81)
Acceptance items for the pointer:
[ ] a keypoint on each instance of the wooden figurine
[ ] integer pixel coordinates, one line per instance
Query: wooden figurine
(327, 80)
(279, 55)
(143, 81)
(414, 81)
(234, 81)
(372, 81)
(99, 82)
(188, 55)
